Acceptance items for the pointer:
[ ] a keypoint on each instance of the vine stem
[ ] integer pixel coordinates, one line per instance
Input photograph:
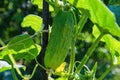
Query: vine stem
(81, 23)
(13, 62)
(13, 73)
(89, 53)
(106, 73)
(33, 71)
(1, 48)
(72, 57)
(40, 65)
(2, 43)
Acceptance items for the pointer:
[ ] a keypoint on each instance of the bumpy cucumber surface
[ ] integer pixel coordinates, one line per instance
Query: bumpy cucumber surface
(60, 39)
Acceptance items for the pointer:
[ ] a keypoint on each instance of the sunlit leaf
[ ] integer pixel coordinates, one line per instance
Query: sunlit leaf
(4, 69)
(4, 66)
(33, 21)
(112, 44)
(23, 47)
(39, 3)
(62, 78)
(100, 15)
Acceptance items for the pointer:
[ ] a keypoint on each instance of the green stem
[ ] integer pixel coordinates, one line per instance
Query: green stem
(13, 73)
(82, 22)
(106, 73)
(3, 44)
(34, 71)
(1, 48)
(11, 58)
(89, 53)
(72, 57)
(40, 65)
(14, 63)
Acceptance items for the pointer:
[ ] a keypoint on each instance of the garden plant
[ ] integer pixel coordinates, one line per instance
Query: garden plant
(69, 18)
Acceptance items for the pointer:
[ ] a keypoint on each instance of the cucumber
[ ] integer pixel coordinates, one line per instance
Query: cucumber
(60, 39)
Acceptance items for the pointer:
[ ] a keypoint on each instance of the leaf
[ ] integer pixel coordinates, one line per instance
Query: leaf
(62, 78)
(71, 1)
(112, 44)
(39, 3)
(4, 66)
(100, 15)
(114, 47)
(93, 71)
(4, 69)
(74, 2)
(21, 46)
(33, 21)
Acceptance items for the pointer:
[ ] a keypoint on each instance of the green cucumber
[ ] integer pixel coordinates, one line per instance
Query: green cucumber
(60, 39)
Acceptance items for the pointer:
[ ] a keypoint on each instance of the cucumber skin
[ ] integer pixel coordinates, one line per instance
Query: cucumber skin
(60, 39)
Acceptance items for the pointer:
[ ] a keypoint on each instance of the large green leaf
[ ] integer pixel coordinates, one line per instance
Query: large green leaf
(112, 44)
(23, 47)
(100, 15)
(33, 21)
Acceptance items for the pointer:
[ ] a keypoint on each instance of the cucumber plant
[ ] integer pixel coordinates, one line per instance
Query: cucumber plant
(69, 19)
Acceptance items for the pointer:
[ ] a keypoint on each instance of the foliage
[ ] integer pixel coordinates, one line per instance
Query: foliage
(64, 38)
